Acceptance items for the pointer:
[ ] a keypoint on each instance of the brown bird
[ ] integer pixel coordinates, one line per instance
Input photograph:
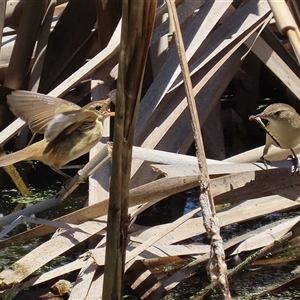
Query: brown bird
(69, 130)
(283, 126)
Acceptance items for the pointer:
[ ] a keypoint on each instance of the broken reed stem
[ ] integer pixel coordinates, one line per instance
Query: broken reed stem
(216, 265)
(16, 178)
(2, 17)
(248, 261)
(42, 41)
(286, 24)
(20, 61)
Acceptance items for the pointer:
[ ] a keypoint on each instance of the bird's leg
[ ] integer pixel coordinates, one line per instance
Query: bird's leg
(295, 161)
(77, 167)
(61, 173)
(264, 161)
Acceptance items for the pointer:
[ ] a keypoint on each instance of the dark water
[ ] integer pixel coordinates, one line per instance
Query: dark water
(43, 183)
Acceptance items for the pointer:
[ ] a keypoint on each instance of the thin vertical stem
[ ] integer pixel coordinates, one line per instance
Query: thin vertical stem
(216, 265)
(137, 25)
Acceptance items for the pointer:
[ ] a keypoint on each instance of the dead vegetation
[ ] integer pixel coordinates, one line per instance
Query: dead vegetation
(76, 49)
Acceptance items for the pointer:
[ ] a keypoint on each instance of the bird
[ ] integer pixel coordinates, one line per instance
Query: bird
(283, 129)
(69, 130)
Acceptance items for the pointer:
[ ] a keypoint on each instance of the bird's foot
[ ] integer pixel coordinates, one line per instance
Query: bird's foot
(295, 161)
(264, 161)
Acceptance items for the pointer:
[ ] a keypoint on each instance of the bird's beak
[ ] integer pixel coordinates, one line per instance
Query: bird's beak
(261, 115)
(105, 110)
(108, 113)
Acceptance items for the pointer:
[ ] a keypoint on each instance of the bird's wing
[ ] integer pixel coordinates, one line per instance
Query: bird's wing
(66, 122)
(37, 109)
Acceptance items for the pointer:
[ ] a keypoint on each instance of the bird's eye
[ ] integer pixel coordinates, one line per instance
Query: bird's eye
(98, 107)
(277, 114)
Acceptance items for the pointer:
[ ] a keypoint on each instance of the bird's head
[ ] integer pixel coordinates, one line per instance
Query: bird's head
(278, 112)
(100, 107)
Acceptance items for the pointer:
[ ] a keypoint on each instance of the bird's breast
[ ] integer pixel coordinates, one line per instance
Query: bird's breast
(287, 135)
(62, 150)
(85, 139)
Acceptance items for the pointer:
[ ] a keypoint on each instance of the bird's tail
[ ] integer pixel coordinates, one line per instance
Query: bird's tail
(32, 152)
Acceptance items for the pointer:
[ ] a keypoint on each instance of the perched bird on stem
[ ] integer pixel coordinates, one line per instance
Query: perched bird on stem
(69, 130)
(283, 129)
